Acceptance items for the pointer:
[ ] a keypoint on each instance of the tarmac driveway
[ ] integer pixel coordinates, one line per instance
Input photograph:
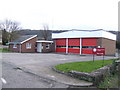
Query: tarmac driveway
(41, 63)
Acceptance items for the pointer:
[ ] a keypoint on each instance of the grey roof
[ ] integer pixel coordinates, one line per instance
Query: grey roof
(21, 39)
(39, 33)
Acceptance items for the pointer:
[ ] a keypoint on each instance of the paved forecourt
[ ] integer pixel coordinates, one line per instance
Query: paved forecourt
(41, 63)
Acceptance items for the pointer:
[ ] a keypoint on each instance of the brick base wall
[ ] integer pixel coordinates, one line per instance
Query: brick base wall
(109, 45)
(14, 49)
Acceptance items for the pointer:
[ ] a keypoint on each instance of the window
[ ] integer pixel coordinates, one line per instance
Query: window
(47, 46)
(73, 46)
(28, 45)
(14, 46)
(77, 47)
(60, 46)
(88, 47)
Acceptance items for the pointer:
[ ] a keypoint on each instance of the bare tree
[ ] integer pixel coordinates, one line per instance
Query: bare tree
(46, 32)
(9, 29)
(9, 25)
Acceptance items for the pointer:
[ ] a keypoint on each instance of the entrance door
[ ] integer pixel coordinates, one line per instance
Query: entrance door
(39, 47)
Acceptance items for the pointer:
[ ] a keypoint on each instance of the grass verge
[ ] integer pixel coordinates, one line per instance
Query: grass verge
(84, 66)
(4, 50)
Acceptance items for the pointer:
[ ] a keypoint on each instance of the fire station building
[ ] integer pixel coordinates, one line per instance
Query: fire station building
(82, 41)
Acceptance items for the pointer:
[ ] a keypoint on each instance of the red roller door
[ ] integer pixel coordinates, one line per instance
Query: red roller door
(61, 50)
(88, 42)
(73, 42)
(76, 42)
(73, 50)
(87, 51)
(60, 42)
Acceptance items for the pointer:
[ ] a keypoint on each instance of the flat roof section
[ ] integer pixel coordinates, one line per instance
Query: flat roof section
(84, 34)
(44, 41)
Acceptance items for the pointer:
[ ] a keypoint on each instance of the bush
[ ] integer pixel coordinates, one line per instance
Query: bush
(113, 68)
(118, 44)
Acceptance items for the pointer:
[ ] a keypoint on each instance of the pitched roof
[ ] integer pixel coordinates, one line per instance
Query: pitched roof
(23, 39)
(39, 33)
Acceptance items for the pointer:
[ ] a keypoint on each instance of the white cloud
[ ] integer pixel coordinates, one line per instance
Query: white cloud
(62, 14)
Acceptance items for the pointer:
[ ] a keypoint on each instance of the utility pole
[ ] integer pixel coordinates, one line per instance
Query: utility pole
(118, 33)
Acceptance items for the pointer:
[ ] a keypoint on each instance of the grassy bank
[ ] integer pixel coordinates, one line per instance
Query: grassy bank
(84, 66)
(112, 81)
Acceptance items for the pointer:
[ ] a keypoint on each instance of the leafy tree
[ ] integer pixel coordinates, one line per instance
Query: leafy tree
(4, 37)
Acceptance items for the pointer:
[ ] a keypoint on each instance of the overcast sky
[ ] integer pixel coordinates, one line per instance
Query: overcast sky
(62, 14)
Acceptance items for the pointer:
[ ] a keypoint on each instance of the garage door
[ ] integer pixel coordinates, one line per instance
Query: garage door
(74, 45)
(61, 45)
(88, 44)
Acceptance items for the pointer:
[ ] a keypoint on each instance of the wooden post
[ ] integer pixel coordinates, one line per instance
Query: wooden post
(103, 60)
(93, 57)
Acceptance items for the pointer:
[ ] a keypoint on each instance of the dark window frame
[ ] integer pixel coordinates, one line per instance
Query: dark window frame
(60, 46)
(88, 47)
(76, 47)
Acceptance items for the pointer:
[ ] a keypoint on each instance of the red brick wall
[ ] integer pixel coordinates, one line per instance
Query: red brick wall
(109, 45)
(14, 49)
(46, 50)
(33, 46)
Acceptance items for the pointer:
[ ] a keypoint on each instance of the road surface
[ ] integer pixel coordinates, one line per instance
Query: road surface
(15, 78)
